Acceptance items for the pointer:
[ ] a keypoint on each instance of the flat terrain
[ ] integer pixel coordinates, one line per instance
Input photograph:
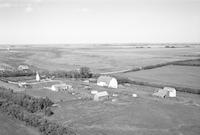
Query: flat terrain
(123, 114)
(100, 58)
(182, 76)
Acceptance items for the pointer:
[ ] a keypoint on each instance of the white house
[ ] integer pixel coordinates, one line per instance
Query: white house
(108, 81)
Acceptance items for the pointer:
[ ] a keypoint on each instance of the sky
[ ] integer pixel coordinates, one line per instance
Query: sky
(99, 21)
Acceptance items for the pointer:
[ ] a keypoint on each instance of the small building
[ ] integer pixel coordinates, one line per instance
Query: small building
(161, 93)
(24, 85)
(37, 77)
(108, 81)
(171, 91)
(94, 92)
(92, 80)
(100, 96)
(166, 92)
(23, 67)
(61, 87)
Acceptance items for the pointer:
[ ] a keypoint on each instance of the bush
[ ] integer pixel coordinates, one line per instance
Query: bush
(31, 104)
(85, 72)
(19, 107)
(16, 73)
(48, 112)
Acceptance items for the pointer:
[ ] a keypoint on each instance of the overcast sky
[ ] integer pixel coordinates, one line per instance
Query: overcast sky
(99, 21)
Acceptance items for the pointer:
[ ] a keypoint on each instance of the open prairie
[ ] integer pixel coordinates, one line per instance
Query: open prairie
(100, 58)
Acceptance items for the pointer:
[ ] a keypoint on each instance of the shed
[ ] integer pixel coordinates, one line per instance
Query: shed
(171, 91)
(101, 96)
(61, 87)
(37, 77)
(161, 93)
(108, 81)
(166, 92)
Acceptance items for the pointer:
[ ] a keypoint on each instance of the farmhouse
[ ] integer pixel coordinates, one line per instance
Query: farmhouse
(107, 81)
(61, 87)
(23, 67)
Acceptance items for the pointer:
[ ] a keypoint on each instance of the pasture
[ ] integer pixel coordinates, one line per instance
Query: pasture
(100, 58)
(182, 76)
(127, 115)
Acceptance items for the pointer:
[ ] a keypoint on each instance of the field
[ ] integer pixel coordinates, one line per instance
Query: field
(121, 114)
(100, 58)
(182, 76)
(14, 127)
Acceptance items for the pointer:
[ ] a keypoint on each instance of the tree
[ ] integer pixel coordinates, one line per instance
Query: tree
(85, 72)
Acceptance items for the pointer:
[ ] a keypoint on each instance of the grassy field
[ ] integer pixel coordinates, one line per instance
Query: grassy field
(182, 76)
(124, 114)
(189, 63)
(9, 126)
(100, 58)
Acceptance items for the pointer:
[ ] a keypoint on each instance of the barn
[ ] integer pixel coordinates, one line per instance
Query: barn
(108, 81)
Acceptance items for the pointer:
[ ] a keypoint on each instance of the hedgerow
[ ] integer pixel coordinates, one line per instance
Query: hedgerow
(19, 107)
(45, 127)
(16, 73)
(31, 104)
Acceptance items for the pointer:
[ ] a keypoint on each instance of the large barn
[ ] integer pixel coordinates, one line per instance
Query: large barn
(108, 81)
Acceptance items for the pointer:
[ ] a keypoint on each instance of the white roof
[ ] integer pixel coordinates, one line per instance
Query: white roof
(105, 79)
(102, 93)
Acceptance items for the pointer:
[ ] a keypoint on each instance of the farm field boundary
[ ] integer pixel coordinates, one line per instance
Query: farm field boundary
(180, 63)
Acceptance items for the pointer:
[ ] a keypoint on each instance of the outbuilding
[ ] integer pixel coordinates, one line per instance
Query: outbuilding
(61, 87)
(100, 96)
(108, 81)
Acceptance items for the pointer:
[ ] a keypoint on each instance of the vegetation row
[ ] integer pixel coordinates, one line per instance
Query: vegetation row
(83, 72)
(31, 104)
(11, 104)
